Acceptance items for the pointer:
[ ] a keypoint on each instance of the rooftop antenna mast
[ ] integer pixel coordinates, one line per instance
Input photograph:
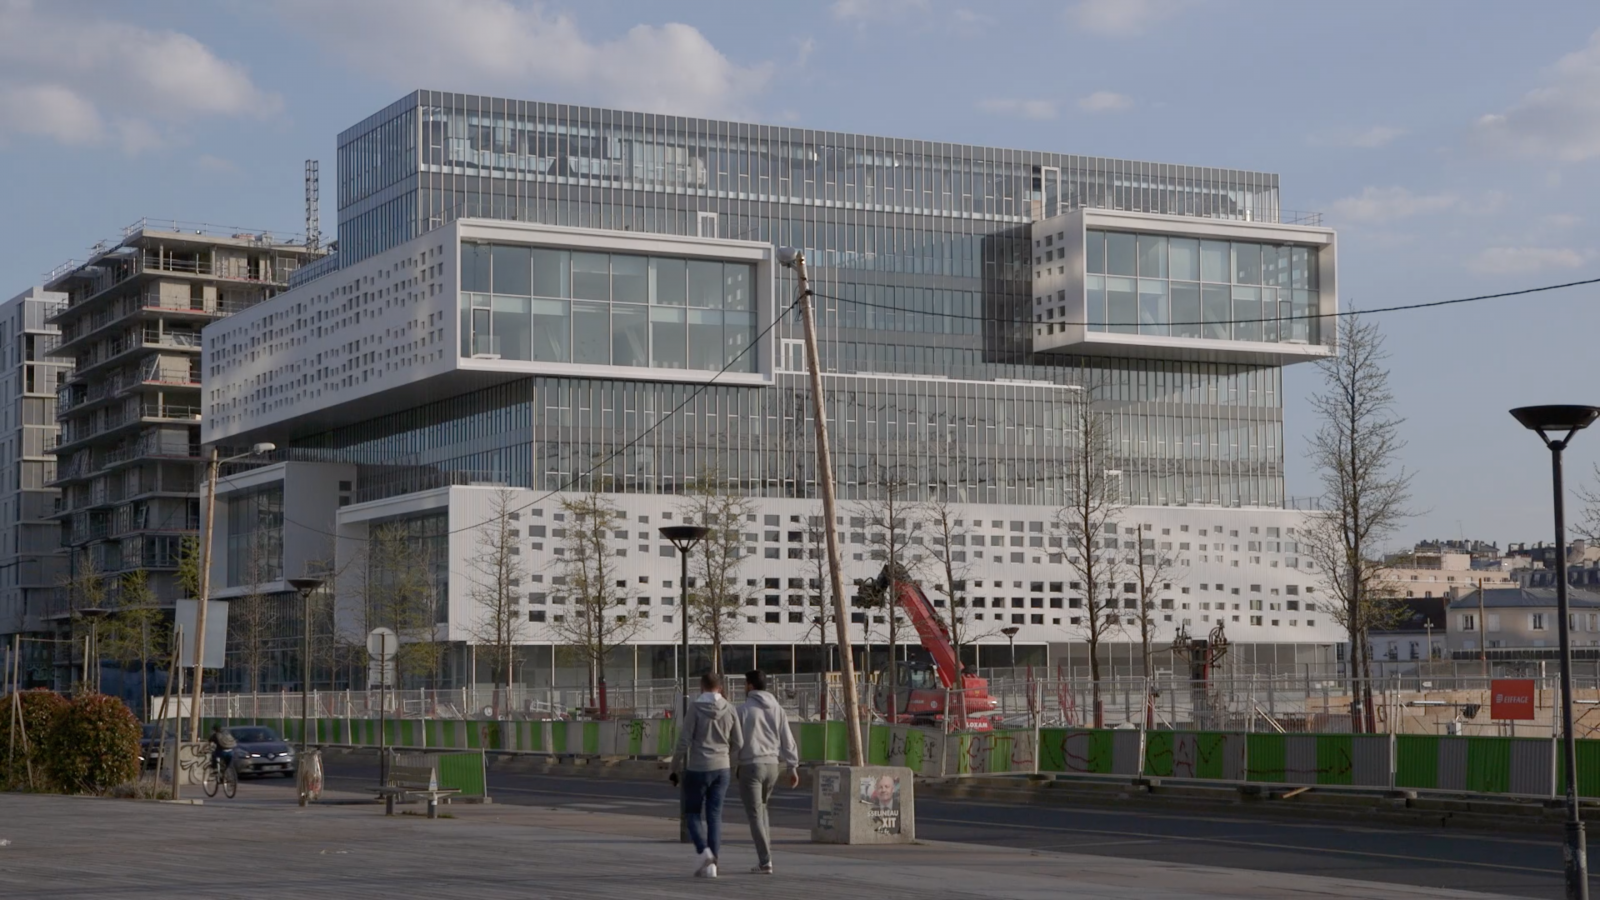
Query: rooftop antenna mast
(313, 201)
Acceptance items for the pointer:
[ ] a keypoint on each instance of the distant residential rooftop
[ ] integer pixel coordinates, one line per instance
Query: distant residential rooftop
(1526, 598)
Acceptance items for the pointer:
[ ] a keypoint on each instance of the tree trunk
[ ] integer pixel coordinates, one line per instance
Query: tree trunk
(1094, 683)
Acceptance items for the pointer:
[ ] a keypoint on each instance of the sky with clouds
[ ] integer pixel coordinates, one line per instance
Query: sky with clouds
(1454, 144)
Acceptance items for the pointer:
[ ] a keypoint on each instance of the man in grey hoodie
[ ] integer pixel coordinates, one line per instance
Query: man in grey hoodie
(709, 738)
(769, 747)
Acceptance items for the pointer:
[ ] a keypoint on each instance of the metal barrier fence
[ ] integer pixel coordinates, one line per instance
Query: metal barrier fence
(1269, 705)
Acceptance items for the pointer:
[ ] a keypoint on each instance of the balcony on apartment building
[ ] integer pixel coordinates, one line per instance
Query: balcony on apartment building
(135, 413)
(102, 353)
(149, 374)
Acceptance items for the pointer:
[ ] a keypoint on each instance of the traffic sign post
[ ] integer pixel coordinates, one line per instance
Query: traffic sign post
(381, 646)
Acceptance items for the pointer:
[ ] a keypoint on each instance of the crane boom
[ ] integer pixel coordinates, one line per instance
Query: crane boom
(930, 628)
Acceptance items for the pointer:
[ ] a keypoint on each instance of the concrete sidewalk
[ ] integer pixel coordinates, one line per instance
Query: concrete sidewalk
(67, 847)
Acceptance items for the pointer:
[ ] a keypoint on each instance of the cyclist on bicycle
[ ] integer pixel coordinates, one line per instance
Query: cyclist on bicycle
(222, 745)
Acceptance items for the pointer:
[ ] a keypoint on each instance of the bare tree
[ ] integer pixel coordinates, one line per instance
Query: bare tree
(596, 619)
(1093, 493)
(251, 616)
(716, 600)
(495, 574)
(396, 582)
(1365, 495)
(948, 531)
(892, 514)
(1154, 567)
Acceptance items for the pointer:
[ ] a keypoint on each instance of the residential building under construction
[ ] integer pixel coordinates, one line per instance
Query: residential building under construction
(128, 452)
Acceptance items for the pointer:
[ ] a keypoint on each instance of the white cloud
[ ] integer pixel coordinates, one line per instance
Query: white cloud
(78, 80)
(1560, 120)
(1026, 109)
(499, 45)
(1526, 260)
(1385, 204)
(1376, 136)
(862, 10)
(1104, 101)
(1562, 220)
(1122, 17)
(805, 47)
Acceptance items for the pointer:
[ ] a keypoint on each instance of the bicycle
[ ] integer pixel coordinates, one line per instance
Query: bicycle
(225, 777)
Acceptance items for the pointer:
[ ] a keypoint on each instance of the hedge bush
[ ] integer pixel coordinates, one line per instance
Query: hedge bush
(93, 746)
(41, 710)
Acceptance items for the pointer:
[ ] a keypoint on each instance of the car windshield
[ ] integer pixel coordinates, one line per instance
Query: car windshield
(254, 735)
(151, 731)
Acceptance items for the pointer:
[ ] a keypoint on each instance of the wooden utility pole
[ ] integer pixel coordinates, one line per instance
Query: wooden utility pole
(213, 468)
(841, 620)
(1483, 633)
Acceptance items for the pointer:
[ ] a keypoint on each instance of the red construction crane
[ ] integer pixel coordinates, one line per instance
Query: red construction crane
(920, 693)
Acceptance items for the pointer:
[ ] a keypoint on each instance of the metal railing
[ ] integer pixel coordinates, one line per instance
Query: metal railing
(1281, 705)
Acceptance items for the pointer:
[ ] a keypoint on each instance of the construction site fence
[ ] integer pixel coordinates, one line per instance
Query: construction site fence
(1513, 766)
(1456, 706)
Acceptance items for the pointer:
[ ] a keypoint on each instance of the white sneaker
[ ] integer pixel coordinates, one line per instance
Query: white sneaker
(762, 870)
(711, 870)
(707, 861)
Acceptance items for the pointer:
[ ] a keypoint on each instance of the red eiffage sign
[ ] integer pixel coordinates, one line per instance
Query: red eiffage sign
(1511, 698)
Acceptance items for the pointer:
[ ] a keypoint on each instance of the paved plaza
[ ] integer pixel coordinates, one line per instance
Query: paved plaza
(67, 847)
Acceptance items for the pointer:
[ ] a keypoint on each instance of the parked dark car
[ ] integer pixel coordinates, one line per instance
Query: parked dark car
(152, 739)
(150, 745)
(261, 752)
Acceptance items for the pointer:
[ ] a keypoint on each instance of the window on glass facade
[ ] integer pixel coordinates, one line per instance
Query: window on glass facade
(255, 536)
(606, 309)
(1183, 287)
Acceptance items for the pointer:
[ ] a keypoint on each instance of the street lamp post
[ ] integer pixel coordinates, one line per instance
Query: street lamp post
(1566, 421)
(213, 469)
(1010, 632)
(684, 537)
(306, 585)
(91, 650)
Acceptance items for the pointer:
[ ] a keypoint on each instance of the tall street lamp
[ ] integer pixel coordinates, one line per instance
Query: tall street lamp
(1010, 631)
(306, 585)
(1566, 421)
(213, 469)
(684, 537)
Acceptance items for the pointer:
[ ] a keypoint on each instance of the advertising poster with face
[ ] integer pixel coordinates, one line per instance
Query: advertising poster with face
(882, 794)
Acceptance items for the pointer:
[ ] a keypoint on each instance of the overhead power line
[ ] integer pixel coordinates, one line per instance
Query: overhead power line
(1333, 315)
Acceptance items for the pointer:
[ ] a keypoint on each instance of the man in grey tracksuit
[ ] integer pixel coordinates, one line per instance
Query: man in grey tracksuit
(769, 748)
(709, 739)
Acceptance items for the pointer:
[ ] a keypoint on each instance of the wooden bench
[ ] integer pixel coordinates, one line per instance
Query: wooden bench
(422, 781)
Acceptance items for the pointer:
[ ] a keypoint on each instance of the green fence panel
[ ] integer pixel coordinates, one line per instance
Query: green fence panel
(410, 734)
(878, 745)
(591, 738)
(1001, 747)
(813, 740)
(1073, 750)
(916, 749)
(1335, 759)
(463, 771)
(558, 736)
(666, 737)
(1266, 756)
(1158, 753)
(1588, 769)
(1489, 764)
(838, 749)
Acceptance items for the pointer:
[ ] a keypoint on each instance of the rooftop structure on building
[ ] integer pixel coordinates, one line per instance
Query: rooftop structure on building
(128, 450)
(31, 562)
(544, 298)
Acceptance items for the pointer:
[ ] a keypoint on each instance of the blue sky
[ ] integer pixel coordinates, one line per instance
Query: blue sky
(1454, 144)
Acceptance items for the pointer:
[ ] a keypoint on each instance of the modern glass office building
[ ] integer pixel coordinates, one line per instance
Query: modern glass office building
(963, 292)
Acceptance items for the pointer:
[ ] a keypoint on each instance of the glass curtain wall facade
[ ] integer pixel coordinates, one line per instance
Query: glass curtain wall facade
(921, 262)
